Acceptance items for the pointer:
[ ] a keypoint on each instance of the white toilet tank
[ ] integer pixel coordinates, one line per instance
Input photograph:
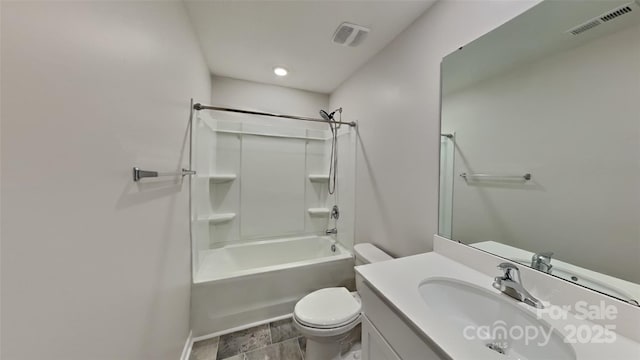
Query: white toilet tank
(367, 253)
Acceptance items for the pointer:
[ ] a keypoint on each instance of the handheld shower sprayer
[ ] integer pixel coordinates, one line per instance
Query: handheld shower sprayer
(333, 162)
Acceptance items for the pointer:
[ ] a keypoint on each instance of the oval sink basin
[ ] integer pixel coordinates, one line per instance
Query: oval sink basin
(493, 323)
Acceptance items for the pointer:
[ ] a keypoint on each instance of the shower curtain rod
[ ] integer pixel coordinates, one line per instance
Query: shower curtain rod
(199, 107)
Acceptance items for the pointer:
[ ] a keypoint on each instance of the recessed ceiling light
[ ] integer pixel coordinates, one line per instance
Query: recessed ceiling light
(280, 71)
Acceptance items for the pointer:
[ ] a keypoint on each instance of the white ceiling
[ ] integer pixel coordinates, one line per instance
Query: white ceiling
(247, 39)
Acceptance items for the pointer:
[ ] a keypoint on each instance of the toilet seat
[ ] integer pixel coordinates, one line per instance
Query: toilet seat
(328, 308)
(327, 334)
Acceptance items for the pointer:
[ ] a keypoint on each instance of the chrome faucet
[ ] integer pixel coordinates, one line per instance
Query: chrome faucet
(542, 261)
(511, 284)
(331, 231)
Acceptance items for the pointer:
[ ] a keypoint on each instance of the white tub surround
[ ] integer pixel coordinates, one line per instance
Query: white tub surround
(258, 281)
(402, 300)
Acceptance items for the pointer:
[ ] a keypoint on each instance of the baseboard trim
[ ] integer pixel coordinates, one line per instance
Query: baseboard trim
(186, 351)
(237, 328)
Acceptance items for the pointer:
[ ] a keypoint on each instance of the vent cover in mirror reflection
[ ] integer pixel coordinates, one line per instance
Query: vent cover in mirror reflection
(608, 16)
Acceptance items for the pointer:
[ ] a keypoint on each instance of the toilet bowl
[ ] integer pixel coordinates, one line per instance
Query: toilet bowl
(326, 317)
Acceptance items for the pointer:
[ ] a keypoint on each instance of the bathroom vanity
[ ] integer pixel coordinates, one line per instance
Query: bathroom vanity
(390, 328)
(442, 305)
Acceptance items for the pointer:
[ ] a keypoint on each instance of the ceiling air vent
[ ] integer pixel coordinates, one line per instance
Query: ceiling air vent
(584, 27)
(350, 34)
(615, 13)
(608, 16)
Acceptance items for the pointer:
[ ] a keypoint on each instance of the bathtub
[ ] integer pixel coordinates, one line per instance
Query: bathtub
(255, 282)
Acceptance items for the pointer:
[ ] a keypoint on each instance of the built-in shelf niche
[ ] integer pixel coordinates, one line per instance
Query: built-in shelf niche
(218, 218)
(319, 211)
(319, 177)
(219, 178)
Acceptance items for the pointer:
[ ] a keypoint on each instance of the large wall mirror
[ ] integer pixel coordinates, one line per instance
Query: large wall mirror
(540, 144)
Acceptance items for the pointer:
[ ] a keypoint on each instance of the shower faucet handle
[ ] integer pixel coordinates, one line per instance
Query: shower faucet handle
(335, 212)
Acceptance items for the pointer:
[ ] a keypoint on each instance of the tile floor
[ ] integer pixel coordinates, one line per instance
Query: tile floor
(278, 340)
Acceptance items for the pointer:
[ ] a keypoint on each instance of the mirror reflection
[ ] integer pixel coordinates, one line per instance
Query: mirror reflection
(540, 145)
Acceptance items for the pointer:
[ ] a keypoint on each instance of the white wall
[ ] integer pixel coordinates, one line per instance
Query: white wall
(268, 98)
(93, 265)
(572, 121)
(395, 97)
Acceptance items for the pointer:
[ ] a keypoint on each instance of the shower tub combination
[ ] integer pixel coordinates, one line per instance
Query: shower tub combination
(262, 190)
(242, 285)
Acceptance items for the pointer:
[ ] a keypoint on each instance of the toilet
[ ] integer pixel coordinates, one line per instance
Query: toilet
(326, 317)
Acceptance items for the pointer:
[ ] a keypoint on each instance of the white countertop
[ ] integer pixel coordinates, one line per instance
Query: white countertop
(398, 281)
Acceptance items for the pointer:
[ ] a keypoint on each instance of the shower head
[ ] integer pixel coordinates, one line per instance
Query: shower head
(329, 117)
(325, 116)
